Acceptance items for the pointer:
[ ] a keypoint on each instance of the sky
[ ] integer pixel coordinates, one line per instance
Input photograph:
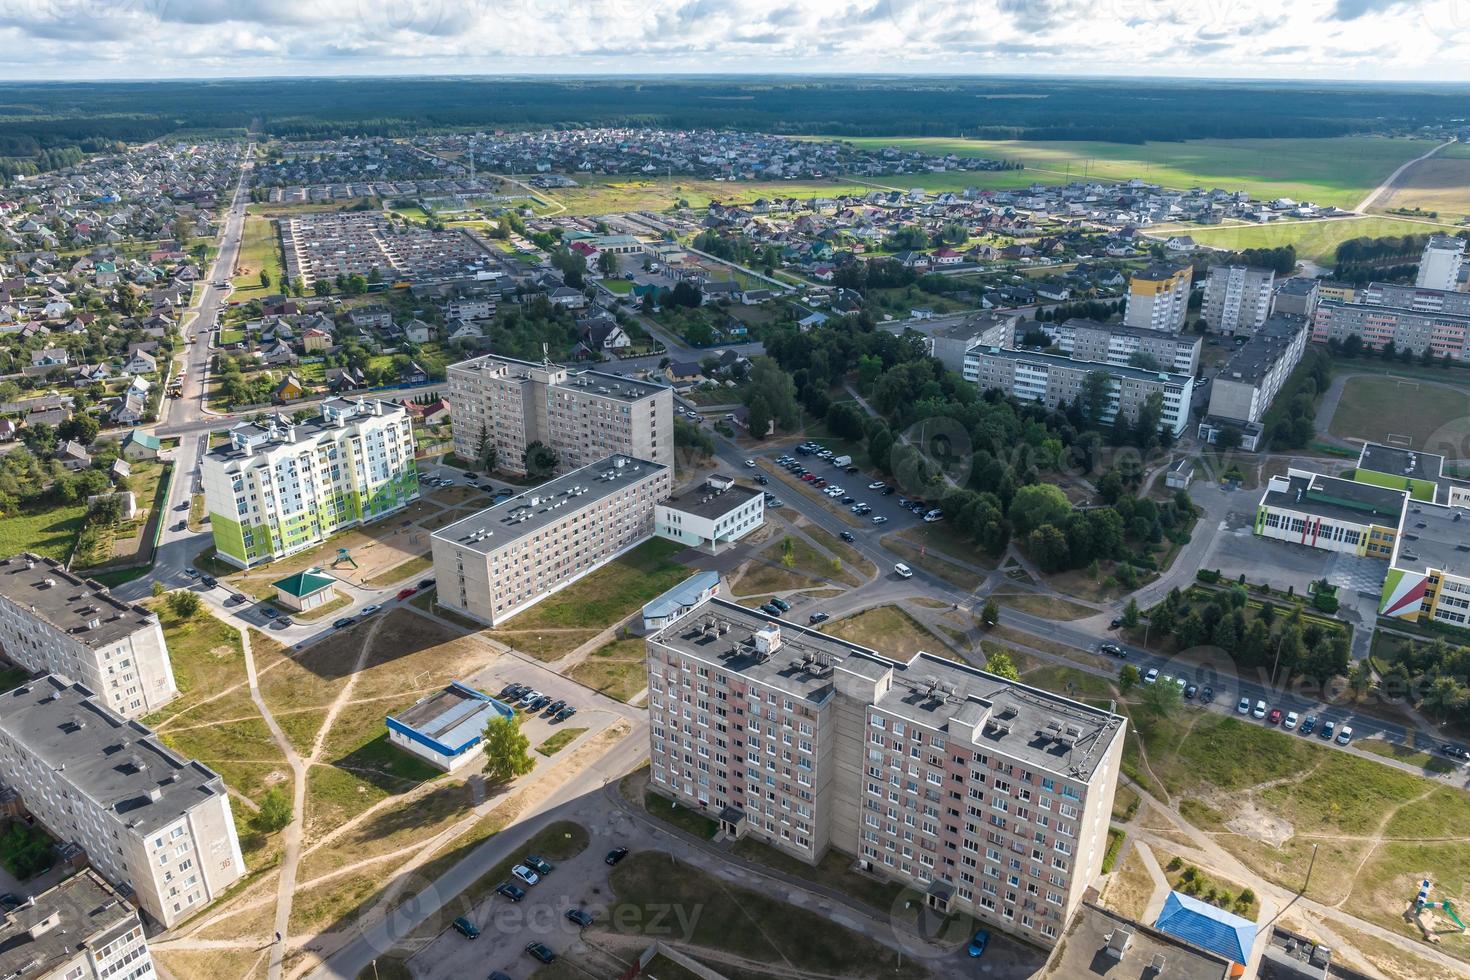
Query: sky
(1409, 40)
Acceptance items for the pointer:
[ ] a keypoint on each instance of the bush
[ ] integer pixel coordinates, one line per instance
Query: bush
(1324, 602)
(1207, 575)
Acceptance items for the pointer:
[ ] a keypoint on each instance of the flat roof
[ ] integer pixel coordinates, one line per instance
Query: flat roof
(1063, 361)
(82, 608)
(1033, 726)
(1335, 498)
(1121, 330)
(971, 326)
(278, 428)
(531, 510)
(87, 909)
(1264, 350)
(1395, 461)
(119, 764)
(587, 380)
(1296, 286)
(711, 504)
(1435, 536)
(453, 718)
(1088, 938)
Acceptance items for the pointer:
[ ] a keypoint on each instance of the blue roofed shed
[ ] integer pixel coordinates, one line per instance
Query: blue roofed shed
(445, 728)
(1202, 924)
(683, 597)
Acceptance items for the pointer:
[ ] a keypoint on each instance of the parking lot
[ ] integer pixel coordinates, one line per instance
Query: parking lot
(863, 499)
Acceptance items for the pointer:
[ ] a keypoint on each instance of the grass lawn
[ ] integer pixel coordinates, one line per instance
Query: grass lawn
(889, 630)
(617, 669)
(1315, 240)
(409, 569)
(231, 337)
(560, 740)
(259, 249)
(1338, 171)
(746, 923)
(1393, 750)
(609, 594)
(1377, 408)
(678, 815)
(1440, 184)
(903, 546)
(1050, 606)
(833, 871)
(50, 533)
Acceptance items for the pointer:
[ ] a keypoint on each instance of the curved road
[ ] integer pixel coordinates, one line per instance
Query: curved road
(1392, 178)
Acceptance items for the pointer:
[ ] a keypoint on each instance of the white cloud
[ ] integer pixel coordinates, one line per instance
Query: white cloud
(1411, 39)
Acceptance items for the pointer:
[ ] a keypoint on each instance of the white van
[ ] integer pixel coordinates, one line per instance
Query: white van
(903, 571)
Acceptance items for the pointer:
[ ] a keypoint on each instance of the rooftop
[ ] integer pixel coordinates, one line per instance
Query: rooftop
(452, 719)
(1264, 350)
(531, 510)
(1394, 461)
(278, 430)
(82, 608)
(681, 596)
(1331, 497)
(709, 503)
(1202, 924)
(304, 583)
(1297, 286)
(1435, 536)
(119, 764)
(48, 931)
(972, 326)
(1101, 943)
(1036, 727)
(588, 380)
(1157, 271)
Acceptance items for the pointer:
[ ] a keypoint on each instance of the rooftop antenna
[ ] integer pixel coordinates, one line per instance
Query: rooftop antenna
(545, 354)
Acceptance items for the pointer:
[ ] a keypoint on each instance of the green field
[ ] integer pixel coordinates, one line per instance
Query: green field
(49, 533)
(259, 249)
(1314, 240)
(1338, 171)
(1415, 415)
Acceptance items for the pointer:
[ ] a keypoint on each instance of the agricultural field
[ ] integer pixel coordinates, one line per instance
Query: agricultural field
(1338, 171)
(1315, 240)
(606, 194)
(1403, 412)
(1440, 184)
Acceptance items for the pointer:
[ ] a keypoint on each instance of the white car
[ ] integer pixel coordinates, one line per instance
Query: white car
(1151, 676)
(1290, 720)
(525, 874)
(1243, 707)
(369, 610)
(750, 464)
(876, 485)
(880, 519)
(1259, 711)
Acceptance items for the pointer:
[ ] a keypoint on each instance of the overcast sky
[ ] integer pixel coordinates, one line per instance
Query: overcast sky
(1416, 40)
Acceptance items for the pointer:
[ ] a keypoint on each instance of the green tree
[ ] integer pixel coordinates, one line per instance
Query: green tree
(1130, 613)
(991, 613)
(158, 588)
(999, 663)
(183, 603)
(265, 279)
(507, 750)
(1038, 504)
(275, 812)
(540, 460)
(1128, 678)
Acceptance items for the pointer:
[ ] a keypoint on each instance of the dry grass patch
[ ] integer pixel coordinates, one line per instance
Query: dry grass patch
(1131, 886)
(617, 669)
(889, 630)
(1046, 606)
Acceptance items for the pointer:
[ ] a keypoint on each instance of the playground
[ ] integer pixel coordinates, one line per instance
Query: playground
(1434, 917)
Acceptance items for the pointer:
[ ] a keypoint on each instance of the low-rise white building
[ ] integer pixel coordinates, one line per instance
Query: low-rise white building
(446, 728)
(718, 513)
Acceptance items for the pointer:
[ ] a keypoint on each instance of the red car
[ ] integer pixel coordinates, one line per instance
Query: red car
(808, 478)
(1274, 718)
(405, 593)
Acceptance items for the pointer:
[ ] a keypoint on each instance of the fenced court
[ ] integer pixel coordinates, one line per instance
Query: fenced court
(1403, 412)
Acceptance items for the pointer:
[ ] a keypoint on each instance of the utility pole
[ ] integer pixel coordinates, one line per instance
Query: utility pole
(1277, 662)
(1306, 884)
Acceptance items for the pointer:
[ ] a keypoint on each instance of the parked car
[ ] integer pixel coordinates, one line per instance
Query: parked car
(191, 572)
(405, 593)
(770, 610)
(1151, 676)
(541, 951)
(466, 928)
(553, 708)
(539, 703)
(903, 571)
(763, 480)
(369, 609)
(977, 945)
(427, 583)
(1345, 735)
(876, 485)
(513, 892)
(1190, 691)
(1308, 723)
(512, 692)
(1325, 732)
(781, 604)
(580, 917)
(847, 536)
(1111, 650)
(209, 581)
(750, 464)
(539, 865)
(1289, 722)
(817, 617)
(565, 713)
(1274, 718)
(525, 874)
(615, 855)
(1206, 694)
(341, 624)
(1259, 711)
(1243, 707)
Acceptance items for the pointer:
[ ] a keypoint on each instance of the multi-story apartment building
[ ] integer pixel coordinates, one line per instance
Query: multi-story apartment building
(1248, 383)
(1416, 298)
(1158, 297)
(53, 622)
(279, 487)
(1121, 345)
(1237, 298)
(78, 929)
(988, 796)
(1051, 379)
(1441, 333)
(1296, 296)
(505, 559)
(584, 416)
(948, 344)
(1440, 262)
(711, 516)
(148, 820)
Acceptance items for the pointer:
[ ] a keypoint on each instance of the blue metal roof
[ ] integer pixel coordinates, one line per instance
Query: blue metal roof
(681, 596)
(1202, 924)
(450, 721)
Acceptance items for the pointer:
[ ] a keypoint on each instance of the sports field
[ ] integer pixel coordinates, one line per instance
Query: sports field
(1404, 412)
(1338, 171)
(1315, 240)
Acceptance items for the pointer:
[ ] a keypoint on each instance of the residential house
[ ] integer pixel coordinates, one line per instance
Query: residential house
(141, 362)
(50, 357)
(140, 445)
(289, 389)
(73, 455)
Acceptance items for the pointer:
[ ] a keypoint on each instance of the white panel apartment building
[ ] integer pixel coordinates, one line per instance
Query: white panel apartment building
(79, 929)
(53, 622)
(1119, 344)
(1237, 298)
(277, 487)
(505, 559)
(1248, 384)
(989, 796)
(584, 416)
(148, 819)
(1158, 297)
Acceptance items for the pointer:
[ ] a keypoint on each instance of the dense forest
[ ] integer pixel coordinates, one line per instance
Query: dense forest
(36, 117)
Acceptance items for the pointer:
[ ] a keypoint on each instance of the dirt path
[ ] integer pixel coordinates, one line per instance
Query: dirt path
(1392, 179)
